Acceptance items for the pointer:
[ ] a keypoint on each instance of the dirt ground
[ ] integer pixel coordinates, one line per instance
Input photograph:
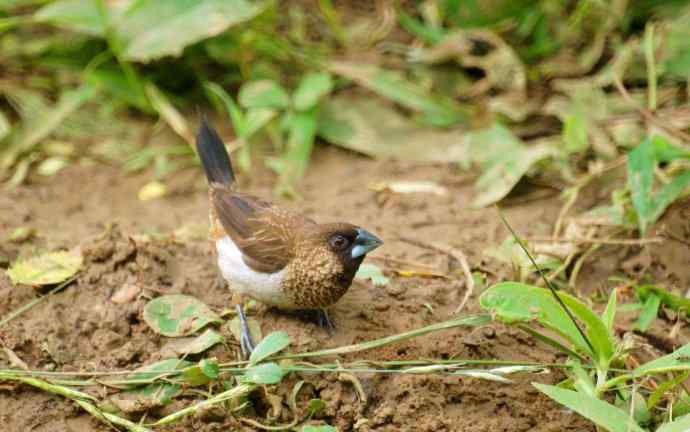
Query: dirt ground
(82, 329)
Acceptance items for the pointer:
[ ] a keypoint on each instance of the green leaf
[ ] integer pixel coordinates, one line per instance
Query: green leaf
(271, 344)
(324, 428)
(575, 133)
(152, 29)
(154, 370)
(265, 373)
(664, 387)
(311, 89)
(438, 110)
(681, 424)
(77, 15)
(5, 127)
(609, 315)
(373, 272)
(165, 109)
(677, 303)
(196, 345)
(178, 315)
(371, 127)
(517, 302)
(505, 160)
(649, 311)
(263, 94)
(202, 373)
(642, 162)
(598, 411)
(46, 269)
(43, 123)
(315, 406)
(236, 114)
(640, 179)
(678, 358)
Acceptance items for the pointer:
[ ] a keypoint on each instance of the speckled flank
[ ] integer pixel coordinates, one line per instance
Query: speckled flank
(313, 279)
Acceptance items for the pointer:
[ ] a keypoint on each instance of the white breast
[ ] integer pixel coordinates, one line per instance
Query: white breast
(264, 287)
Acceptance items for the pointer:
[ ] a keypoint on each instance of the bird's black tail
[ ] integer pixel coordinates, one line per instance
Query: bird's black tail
(214, 156)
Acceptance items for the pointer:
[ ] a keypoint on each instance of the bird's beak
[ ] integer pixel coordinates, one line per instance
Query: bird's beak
(365, 242)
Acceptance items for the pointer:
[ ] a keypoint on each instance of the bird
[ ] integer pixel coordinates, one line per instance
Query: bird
(272, 254)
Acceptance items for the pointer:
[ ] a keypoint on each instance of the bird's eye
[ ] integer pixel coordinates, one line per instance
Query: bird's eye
(338, 242)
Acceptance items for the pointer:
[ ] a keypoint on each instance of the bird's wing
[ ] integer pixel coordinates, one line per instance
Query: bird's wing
(263, 233)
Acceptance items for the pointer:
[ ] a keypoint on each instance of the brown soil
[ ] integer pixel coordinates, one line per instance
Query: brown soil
(80, 328)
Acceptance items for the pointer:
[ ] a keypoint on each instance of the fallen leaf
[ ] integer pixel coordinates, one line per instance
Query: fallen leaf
(407, 187)
(178, 315)
(191, 345)
(152, 190)
(47, 269)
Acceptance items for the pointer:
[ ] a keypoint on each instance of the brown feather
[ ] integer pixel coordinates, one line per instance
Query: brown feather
(264, 233)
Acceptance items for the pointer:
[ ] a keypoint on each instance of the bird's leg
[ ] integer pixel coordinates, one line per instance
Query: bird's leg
(324, 321)
(220, 282)
(246, 343)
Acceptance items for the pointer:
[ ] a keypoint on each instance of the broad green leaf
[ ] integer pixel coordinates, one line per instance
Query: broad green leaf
(46, 269)
(371, 127)
(677, 303)
(178, 315)
(665, 151)
(263, 94)
(681, 424)
(505, 160)
(517, 302)
(372, 272)
(271, 344)
(311, 89)
(265, 373)
(598, 411)
(324, 428)
(438, 110)
(649, 312)
(153, 29)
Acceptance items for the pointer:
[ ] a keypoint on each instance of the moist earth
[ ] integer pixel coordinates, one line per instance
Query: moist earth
(139, 250)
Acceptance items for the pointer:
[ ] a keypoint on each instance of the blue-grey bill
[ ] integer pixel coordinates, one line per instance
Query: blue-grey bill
(365, 243)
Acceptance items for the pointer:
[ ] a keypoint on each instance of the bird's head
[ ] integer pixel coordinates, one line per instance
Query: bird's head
(345, 244)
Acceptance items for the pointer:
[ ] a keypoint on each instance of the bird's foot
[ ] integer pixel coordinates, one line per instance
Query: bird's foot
(246, 344)
(325, 321)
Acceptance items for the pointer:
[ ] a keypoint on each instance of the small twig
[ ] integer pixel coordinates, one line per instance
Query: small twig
(457, 255)
(585, 240)
(646, 114)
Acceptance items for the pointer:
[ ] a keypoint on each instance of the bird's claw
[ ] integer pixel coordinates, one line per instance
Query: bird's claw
(325, 321)
(246, 344)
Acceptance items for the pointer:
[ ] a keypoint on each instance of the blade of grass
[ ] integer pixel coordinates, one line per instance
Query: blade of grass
(34, 302)
(546, 280)
(476, 320)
